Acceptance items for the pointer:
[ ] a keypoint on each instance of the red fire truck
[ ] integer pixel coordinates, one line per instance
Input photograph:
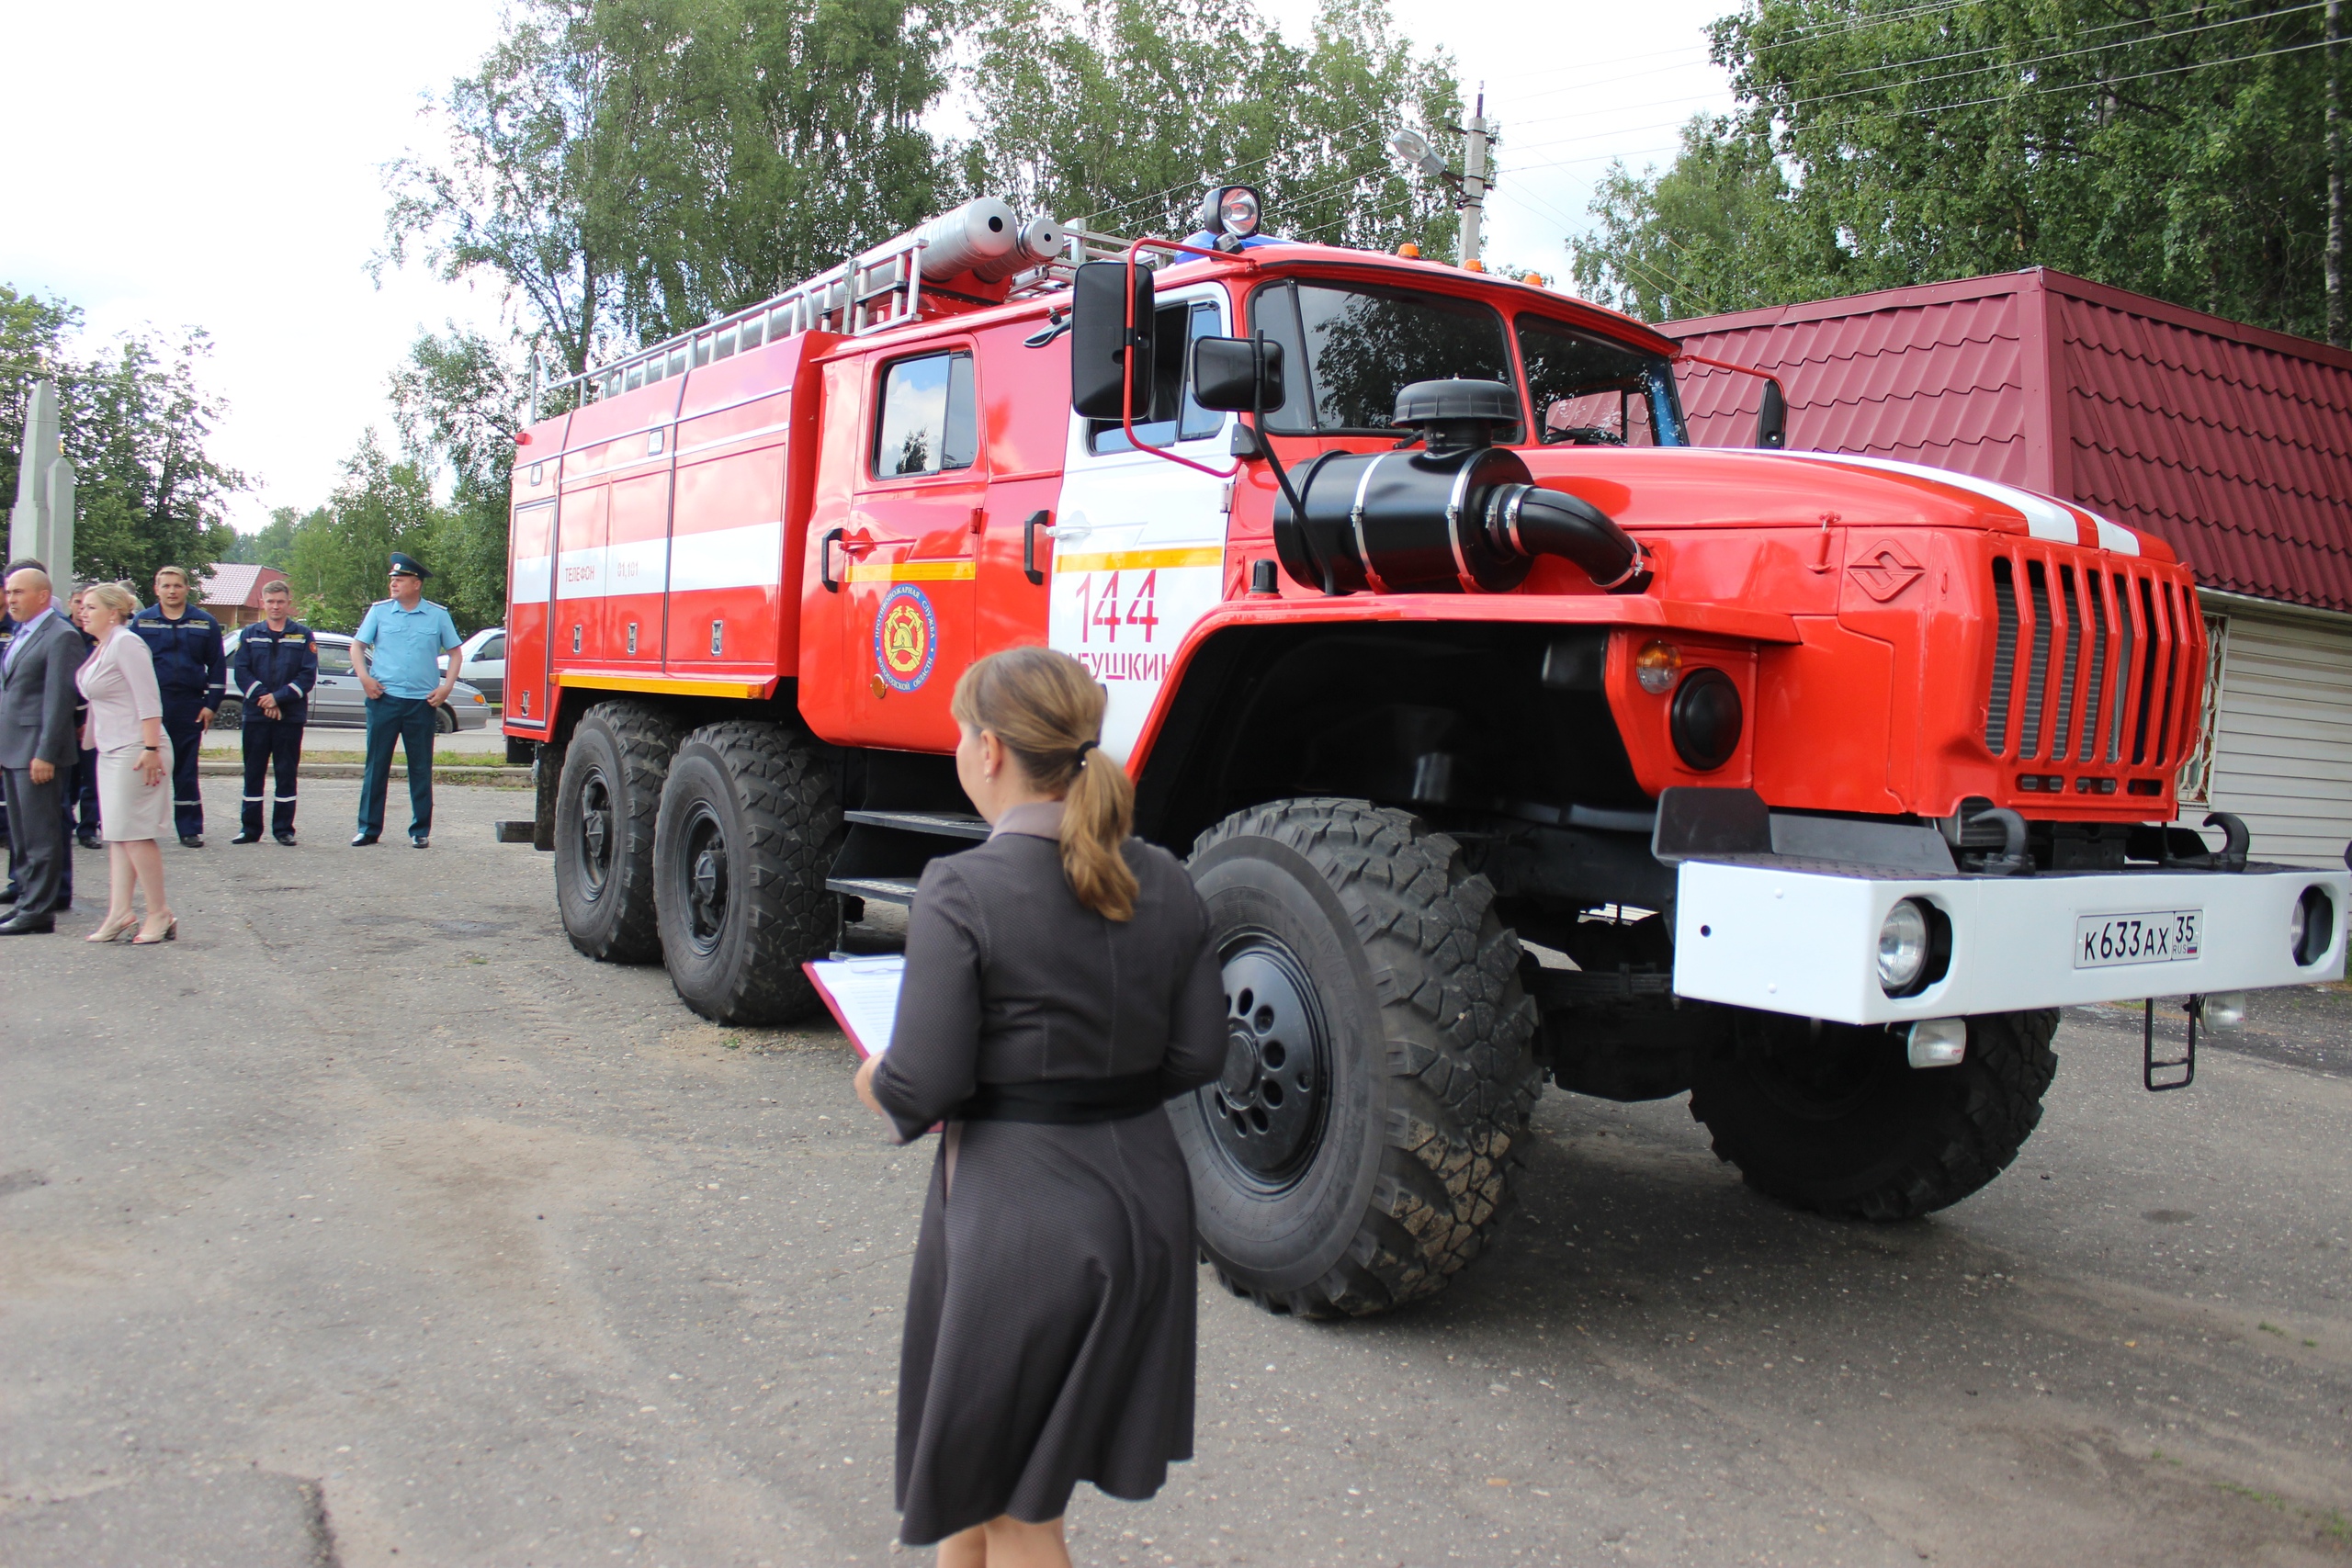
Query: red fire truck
(1512, 736)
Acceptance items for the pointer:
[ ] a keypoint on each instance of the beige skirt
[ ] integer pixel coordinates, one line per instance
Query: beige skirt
(129, 806)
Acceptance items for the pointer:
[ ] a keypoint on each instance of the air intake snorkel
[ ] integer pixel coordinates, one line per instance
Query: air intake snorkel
(1460, 516)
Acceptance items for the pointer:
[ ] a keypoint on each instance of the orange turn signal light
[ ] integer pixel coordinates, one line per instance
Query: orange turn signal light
(1656, 666)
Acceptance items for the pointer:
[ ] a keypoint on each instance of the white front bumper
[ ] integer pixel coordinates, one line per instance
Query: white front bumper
(1804, 942)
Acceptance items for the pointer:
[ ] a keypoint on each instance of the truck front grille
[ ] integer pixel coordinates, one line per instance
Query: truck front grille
(2091, 663)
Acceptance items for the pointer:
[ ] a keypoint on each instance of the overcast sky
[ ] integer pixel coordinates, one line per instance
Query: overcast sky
(219, 167)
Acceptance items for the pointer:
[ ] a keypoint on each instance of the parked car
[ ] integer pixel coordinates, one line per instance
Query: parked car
(481, 662)
(337, 700)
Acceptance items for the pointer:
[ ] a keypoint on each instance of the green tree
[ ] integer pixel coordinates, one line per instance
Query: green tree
(32, 347)
(148, 490)
(339, 553)
(2175, 151)
(269, 545)
(1118, 117)
(457, 402)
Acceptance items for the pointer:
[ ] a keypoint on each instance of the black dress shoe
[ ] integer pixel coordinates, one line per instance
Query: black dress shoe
(9, 894)
(90, 841)
(27, 925)
(420, 841)
(247, 836)
(362, 840)
(285, 836)
(191, 840)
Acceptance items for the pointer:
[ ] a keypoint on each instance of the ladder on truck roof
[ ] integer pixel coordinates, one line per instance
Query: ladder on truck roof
(870, 292)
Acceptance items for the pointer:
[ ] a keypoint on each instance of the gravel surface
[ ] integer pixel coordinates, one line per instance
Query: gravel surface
(370, 1224)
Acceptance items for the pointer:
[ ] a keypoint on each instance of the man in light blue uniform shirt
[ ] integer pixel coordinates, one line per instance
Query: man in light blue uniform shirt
(396, 652)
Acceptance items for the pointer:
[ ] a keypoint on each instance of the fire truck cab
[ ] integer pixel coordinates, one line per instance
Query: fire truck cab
(1513, 738)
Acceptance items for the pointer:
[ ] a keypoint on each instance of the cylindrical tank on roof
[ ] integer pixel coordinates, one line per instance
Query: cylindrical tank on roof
(1039, 243)
(967, 238)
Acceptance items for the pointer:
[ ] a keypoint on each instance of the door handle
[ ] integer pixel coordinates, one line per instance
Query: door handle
(825, 560)
(1029, 545)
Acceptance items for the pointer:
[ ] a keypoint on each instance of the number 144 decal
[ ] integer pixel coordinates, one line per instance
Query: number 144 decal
(1099, 606)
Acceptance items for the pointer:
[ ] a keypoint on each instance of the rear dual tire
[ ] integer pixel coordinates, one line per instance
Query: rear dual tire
(606, 807)
(748, 829)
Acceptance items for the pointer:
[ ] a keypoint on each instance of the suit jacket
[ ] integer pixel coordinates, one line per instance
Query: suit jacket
(37, 695)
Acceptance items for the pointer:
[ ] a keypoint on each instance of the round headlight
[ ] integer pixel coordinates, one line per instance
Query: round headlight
(1903, 947)
(2311, 930)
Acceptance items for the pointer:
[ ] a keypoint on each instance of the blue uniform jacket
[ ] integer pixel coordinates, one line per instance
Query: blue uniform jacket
(283, 665)
(188, 660)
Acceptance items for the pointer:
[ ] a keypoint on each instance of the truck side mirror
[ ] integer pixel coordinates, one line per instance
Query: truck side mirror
(1237, 375)
(1102, 352)
(1772, 419)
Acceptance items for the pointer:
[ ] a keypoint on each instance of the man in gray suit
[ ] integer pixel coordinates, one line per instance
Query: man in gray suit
(38, 747)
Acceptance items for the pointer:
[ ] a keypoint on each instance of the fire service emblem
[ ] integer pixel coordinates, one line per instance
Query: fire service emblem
(906, 637)
(1885, 571)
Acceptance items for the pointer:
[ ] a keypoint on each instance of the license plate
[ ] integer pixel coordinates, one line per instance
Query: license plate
(2161, 936)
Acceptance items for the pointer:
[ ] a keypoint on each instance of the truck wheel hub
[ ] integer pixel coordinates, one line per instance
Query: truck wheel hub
(596, 831)
(706, 880)
(1267, 1108)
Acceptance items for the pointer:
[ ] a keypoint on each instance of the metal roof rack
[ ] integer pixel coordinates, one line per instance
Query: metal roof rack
(881, 288)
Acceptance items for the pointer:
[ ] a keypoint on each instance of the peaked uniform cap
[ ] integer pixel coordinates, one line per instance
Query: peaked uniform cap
(410, 565)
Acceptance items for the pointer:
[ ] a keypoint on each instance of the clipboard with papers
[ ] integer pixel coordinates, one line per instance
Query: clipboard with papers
(863, 995)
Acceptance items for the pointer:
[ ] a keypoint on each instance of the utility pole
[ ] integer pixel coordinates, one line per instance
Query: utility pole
(1474, 174)
(2335, 185)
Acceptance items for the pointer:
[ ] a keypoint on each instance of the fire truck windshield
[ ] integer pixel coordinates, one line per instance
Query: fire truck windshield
(1590, 391)
(1347, 349)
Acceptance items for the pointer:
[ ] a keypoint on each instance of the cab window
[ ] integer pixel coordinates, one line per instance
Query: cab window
(1590, 391)
(1172, 415)
(929, 418)
(1347, 352)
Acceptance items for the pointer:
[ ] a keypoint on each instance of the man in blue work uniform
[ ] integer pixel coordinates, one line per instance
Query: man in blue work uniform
(396, 650)
(277, 664)
(192, 672)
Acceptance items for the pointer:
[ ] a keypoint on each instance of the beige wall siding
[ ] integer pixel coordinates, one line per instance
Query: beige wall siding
(2283, 751)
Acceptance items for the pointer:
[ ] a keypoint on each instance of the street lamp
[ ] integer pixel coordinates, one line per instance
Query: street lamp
(1415, 149)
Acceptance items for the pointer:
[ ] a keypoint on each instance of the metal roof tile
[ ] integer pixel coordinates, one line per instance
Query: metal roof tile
(2231, 443)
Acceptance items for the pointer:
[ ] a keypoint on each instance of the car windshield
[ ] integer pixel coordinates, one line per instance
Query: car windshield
(1348, 350)
(1590, 391)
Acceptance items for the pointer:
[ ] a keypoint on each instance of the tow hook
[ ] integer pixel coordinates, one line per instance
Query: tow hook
(2223, 1010)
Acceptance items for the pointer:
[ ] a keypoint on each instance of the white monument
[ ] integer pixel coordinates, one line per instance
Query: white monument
(42, 526)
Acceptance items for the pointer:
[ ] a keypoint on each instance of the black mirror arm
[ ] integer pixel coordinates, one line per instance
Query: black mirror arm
(1282, 476)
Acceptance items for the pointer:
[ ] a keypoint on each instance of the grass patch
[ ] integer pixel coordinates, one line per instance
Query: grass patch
(2272, 1328)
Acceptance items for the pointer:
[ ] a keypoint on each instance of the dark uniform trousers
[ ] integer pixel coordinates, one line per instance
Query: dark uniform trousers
(269, 740)
(188, 741)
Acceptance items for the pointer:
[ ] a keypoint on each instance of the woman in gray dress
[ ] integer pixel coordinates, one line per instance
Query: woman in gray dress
(1060, 986)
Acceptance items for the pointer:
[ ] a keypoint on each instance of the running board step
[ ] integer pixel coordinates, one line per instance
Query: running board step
(883, 889)
(943, 824)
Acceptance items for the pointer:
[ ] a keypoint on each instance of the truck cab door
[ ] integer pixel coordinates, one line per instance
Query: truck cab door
(1138, 552)
(910, 547)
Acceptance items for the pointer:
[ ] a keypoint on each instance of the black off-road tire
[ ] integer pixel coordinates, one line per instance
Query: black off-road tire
(1427, 1074)
(1839, 1122)
(749, 830)
(606, 801)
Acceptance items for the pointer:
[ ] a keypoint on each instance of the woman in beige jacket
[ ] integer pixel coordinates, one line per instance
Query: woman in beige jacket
(126, 729)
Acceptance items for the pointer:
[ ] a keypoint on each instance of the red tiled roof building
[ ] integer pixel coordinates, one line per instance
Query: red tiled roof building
(2232, 444)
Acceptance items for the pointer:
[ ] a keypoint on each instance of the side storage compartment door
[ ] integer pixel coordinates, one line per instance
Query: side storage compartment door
(577, 619)
(741, 430)
(1139, 546)
(531, 577)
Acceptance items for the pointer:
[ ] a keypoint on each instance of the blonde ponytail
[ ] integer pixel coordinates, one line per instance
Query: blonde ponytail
(1048, 713)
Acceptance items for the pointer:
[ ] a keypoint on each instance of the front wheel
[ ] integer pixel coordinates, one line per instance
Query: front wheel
(749, 828)
(445, 719)
(1357, 1151)
(1833, 1117)
(230, 715)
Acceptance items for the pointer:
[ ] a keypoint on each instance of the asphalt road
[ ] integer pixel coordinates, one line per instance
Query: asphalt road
(367, 1224)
